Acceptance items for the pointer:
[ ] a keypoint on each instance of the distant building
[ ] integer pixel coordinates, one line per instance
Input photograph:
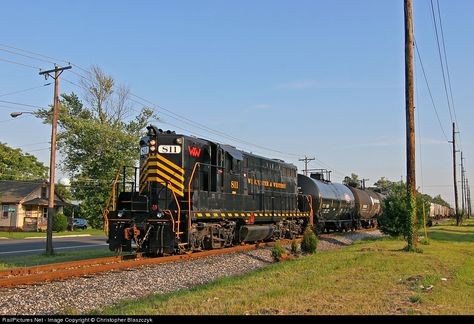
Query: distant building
(24, 205)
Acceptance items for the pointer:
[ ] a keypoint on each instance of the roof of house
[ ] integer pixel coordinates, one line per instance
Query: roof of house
(43, 202)
(13, 191)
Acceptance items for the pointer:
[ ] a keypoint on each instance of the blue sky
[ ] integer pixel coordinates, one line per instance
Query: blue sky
(315, 78)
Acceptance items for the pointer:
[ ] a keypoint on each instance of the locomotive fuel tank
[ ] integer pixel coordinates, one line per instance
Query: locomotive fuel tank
(333, 203)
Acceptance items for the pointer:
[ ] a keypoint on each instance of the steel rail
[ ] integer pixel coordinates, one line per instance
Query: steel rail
(60, 271)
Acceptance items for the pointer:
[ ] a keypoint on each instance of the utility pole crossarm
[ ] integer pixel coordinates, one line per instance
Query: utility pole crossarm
(306, 162)
(48, 72)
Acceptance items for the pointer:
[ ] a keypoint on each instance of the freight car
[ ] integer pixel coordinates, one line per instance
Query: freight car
(196, 194)
(333, 204)
(339, 207)
(368, 207)
(438, 211)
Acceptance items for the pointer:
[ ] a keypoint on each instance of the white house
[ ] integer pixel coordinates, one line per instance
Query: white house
(24, 205)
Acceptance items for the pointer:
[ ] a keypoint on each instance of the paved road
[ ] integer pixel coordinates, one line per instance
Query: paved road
(18, 247)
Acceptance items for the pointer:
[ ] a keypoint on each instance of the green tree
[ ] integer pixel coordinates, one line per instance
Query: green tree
(309, 243)
(59, 222)
(352, 181)
(440, 201)
(383, 184)
(63, 191)
(394, 221)
(97, 140)
(16, 165)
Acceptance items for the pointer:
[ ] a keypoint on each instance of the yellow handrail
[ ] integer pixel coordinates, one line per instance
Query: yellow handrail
(171, 216)
(179, 214)
(106, 211)
(189, 196)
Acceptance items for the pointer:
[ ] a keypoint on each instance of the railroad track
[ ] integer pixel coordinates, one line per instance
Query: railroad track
(61, 271)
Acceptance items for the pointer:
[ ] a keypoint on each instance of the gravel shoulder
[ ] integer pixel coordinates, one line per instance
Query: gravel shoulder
(84, 294)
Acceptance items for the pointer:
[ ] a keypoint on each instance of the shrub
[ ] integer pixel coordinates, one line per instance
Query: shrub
(294, 247)
(59, 222)
(394, 219)
(310, 241)
(277, 251)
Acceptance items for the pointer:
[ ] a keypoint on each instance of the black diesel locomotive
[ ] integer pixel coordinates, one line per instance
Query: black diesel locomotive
(195, 194)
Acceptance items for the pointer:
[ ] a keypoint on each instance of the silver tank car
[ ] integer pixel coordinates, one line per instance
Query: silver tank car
(333, 203)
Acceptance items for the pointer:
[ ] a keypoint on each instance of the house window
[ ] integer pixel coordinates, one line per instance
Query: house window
(45, 212)
(8, 211)
(5, 211)
(43, 192)
(28, 211)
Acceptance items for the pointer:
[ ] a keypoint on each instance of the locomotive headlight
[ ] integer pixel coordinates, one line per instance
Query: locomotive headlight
(152, 148)
(179, 140)
(152, 142)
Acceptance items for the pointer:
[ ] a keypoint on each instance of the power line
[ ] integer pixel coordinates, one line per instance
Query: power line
(447, 71)
(41, 149)
(170, 113)
(24, 90)
(429, 91)
(13, 108)
(21, 64)
(441, 60)
(30, 52)
(419, 131)
(21, 104)
(28, 56)
(446, 61)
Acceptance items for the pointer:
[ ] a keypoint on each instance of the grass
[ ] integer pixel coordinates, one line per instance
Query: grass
(368, 277)
(39, 259)
(21, 235)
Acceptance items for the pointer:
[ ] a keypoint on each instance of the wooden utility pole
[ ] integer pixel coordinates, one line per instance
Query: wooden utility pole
(458, 221)
(49, 235)
(306, 161)
(463, 211)
(469, 207)
(412, 235)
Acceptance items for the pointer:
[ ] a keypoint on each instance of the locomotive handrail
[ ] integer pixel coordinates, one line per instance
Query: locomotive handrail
(179, 214)
(171, 216)
(189, 197)
(310, 202)
(112, 197)
(189, 191)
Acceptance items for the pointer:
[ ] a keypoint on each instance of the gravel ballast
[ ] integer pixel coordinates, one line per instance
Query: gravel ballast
(84, 294)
